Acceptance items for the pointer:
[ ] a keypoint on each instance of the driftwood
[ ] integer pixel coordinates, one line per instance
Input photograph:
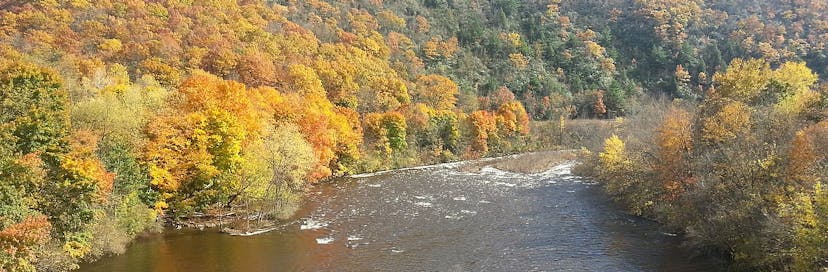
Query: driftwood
(235, 232)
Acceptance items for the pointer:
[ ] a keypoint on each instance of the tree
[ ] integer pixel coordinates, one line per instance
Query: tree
(802, 159)
(34, 108)
(683, 88)
(728, 123)
(116, 111)
(181, 155)
(515, 119)
(795, 94)
(276, 168)
(77, 181)
(257, 69)
(598, 107)
(20, 241)
(436, 91)
(744, 79)
(500, 97)
(387, 131)
(811, 230)
(35, 123)
(333, 132)
(672, 18)
(22, 228)
(483, 128)
(193, 154)
(445, 125)
(614, 157)
(675, 144)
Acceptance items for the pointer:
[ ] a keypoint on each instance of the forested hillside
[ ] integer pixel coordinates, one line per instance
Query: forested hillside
(116, 114)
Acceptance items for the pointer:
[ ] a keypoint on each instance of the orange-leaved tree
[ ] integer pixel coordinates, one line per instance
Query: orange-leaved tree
(483, 128)
(436, 91)
(675, 143)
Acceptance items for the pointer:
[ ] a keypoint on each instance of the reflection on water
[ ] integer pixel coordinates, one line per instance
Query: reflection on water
(432, 219)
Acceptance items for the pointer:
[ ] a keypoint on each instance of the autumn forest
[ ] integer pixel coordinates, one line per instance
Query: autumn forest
(120, 116)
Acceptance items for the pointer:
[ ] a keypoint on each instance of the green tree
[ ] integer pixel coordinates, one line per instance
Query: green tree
(34, 108)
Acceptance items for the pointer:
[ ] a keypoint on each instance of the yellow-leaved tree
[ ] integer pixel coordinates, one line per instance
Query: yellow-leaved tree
(193, 153)
(744, 80)
(728, 123)
(794, 80)
(614, 157)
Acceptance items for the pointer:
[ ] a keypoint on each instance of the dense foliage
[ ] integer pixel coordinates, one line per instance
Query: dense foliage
(118, 112)
(115, 113)
(741, 173)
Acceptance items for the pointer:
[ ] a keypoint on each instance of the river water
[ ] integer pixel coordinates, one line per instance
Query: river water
(432, 219)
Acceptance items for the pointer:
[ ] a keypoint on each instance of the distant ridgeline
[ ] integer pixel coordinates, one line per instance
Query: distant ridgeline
(115, 113)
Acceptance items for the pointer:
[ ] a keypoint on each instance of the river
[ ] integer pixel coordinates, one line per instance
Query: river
(438, 218)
